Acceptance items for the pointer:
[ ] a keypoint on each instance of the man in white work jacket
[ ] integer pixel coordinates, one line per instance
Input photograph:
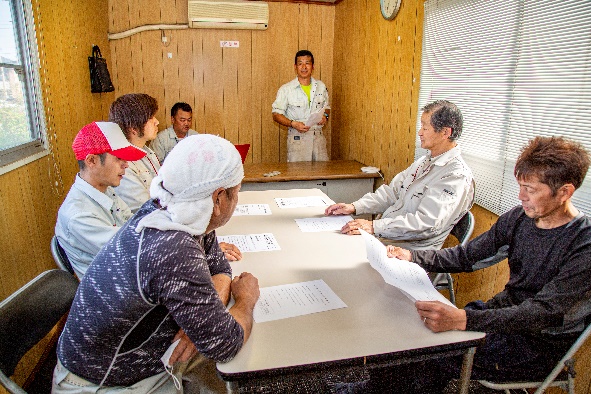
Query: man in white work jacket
(302, 106)
(422, 203)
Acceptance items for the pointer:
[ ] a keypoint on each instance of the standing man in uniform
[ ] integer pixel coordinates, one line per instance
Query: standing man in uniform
(295, 102)
(181, 116)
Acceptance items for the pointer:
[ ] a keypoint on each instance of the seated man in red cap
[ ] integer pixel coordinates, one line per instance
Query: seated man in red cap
(92, 213)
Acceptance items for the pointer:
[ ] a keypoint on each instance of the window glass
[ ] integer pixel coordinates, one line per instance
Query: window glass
(21, 111)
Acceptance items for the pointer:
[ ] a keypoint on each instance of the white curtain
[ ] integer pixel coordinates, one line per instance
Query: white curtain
(516, 69)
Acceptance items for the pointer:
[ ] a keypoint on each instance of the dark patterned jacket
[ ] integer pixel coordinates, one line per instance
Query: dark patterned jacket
(139, 290)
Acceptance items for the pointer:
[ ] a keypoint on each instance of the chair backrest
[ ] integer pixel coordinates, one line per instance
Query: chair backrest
(566, 360)
(60, 257)
(29, 314)
(243, 150)
(464, 228)
(556, 378)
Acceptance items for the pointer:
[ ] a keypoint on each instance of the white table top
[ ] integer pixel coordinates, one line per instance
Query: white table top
(378, 319)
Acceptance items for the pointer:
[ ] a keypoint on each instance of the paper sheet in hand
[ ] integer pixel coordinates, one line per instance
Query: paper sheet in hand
(315, 118)
(303, 202)
(252, 209)
(408, 277)
(327, 223)
(252, 242)
(281, 302)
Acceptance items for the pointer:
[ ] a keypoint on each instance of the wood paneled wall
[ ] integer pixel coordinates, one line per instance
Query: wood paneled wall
(376, 81)
(230, 89)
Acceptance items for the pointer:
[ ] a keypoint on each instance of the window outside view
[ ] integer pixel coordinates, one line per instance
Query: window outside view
(14, 124)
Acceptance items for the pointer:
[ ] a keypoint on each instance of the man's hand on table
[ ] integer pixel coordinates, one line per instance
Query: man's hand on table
(245, 289)
(340, 209)
(436, 315)
(353, 227)
(439, 317)
(231, 251)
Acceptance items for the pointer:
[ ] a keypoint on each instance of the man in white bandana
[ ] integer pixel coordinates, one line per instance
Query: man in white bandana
(135, 113)
(156, 293)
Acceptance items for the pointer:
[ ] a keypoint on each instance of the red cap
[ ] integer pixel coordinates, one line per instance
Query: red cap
(104, 137)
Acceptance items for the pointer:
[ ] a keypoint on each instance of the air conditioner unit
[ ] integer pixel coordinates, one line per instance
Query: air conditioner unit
(213, 14)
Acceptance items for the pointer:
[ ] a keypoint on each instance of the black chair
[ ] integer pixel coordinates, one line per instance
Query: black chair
(563, 374)
(26, 317)
(462, 230)
(60, 257)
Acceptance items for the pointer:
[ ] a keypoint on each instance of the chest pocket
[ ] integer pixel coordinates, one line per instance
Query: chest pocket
(414, 196)
(318, 102)
(297, 110)
(299, 104)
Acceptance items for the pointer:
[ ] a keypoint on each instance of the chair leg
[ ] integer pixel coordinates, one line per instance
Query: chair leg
(450, 288)
(571, 384)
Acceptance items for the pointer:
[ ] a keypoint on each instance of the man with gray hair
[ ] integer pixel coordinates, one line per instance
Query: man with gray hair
(422, 203)
(156, 293)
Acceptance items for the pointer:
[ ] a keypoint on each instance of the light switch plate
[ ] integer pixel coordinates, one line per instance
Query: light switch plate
(230, 44)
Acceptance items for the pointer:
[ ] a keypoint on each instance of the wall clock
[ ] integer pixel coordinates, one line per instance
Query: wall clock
(390, 8)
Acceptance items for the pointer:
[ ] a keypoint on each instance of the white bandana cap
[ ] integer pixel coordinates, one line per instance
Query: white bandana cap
(196, 167)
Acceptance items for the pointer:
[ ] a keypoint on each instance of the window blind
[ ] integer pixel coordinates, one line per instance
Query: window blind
(516, 69)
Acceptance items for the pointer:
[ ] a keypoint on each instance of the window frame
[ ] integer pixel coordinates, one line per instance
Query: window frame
(28, 70)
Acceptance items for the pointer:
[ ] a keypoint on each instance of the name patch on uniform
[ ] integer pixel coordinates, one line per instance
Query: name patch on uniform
(451, 193)
(296, 137)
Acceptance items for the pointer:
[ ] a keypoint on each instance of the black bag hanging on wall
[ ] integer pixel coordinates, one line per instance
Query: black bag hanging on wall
(100, 80)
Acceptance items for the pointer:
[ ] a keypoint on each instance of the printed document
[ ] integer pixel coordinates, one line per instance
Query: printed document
(252, 209)
(281, 302)
(327, 223)
(407, 276)
(303, 202)
(252, 242)
(315, 118)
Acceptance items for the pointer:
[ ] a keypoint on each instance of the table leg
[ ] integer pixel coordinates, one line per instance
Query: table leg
(466, 370)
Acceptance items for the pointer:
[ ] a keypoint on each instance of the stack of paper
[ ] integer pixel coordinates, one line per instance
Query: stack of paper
(407, 276)
(252, 209)
(327, 223)
(303, 202)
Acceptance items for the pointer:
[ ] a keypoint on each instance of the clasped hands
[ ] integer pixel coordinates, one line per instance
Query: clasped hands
(302, 128)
